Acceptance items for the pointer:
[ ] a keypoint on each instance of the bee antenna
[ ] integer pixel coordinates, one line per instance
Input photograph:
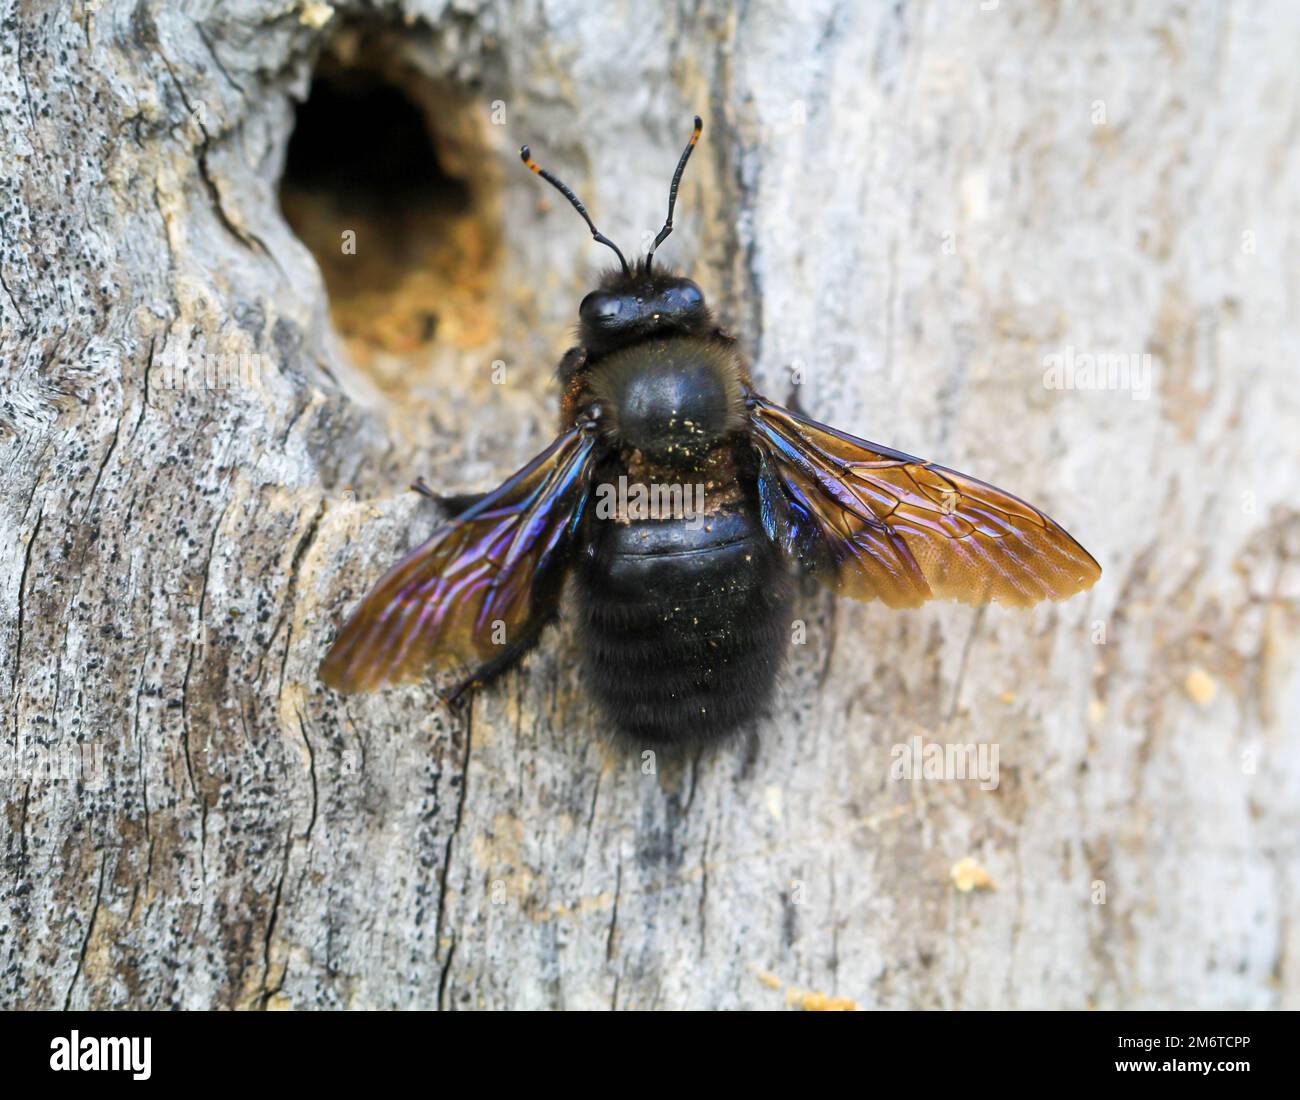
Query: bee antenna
(672, 191)
(567, 191)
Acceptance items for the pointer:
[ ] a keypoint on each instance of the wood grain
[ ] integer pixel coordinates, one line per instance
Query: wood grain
(916, 206)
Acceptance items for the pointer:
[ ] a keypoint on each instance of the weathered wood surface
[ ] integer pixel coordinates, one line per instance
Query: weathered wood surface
(914, 203)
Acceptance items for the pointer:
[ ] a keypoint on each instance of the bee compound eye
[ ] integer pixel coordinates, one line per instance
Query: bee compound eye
(600, 308)
(682, 298)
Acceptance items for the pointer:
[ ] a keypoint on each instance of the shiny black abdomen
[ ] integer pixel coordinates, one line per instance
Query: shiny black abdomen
(685, 624)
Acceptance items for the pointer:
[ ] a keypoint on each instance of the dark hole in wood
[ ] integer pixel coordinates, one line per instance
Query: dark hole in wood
(364, 143)
(385, 181)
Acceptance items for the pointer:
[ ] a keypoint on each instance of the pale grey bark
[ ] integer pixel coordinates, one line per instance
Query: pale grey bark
(916, 204)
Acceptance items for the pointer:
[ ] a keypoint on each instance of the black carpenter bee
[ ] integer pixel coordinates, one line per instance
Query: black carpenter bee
(683, 613)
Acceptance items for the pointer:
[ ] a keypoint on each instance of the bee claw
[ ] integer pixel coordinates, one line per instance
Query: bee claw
(453, 697)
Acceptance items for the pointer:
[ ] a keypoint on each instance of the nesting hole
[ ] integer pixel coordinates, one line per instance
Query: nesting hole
(389, 182)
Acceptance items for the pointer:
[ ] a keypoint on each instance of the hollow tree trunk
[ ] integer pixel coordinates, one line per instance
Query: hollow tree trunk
(207, 432)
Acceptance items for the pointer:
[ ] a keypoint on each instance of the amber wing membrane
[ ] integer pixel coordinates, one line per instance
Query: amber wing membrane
(482, 581)
(875, 523)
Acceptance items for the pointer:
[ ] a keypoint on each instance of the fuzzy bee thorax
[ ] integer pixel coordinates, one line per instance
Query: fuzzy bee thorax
(671, 399)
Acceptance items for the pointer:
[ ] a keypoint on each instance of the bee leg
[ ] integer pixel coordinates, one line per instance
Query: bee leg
(487, 672)
(792, 401)
(573, 359)
(453, 503)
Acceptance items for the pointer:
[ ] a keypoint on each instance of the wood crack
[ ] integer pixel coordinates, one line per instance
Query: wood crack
(451, 839)
(90, 931)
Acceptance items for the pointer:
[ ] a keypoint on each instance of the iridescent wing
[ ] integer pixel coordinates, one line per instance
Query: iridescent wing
(875, 523)
(484, 581)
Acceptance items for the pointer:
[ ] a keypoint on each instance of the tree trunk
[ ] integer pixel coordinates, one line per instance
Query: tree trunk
(232, 334)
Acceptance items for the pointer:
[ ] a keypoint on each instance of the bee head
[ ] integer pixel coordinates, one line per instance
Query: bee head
(628, 308)
(634, 302)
